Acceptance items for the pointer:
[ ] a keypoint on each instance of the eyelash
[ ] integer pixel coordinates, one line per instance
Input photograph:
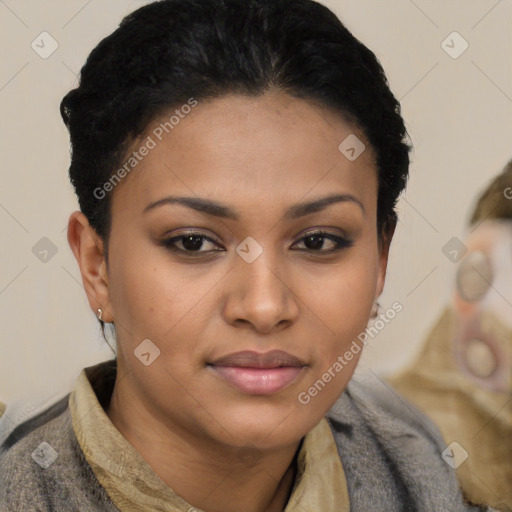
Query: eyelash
(341, 243)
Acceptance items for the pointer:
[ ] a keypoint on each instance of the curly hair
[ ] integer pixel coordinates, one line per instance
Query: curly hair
(168, 51)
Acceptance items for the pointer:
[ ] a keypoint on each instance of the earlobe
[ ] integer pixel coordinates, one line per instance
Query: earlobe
(87, 247)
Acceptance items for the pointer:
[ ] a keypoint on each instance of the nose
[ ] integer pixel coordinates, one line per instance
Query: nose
(259, 297)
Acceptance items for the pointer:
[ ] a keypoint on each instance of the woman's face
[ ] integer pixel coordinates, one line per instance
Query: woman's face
(238, 266)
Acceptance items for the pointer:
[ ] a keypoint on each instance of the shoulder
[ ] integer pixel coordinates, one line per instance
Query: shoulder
(29, 459)
(371, 404)
(375, 399)
(43, 467)
(391, 451)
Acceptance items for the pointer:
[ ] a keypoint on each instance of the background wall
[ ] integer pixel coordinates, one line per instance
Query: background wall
(458, 113)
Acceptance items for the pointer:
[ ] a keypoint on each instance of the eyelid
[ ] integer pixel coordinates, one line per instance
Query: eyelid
(178, 233)
(323, 230)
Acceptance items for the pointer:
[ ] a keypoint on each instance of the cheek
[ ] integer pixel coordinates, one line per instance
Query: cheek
(148, 294)
(166, 302)
(343, 298)
(354, 297)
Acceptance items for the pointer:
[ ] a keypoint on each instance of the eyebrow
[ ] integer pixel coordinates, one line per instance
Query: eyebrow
(218, 210)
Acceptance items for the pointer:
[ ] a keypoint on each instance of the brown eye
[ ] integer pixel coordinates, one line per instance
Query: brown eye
(191, 244)
(474, 276)
(316, 242)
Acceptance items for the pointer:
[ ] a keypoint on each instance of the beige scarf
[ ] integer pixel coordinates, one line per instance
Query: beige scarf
(133, 486)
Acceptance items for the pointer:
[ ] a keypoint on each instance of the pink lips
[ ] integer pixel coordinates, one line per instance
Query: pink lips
(258, 374)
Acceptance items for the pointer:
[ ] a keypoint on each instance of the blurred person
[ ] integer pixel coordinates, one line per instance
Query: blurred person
(462, 378)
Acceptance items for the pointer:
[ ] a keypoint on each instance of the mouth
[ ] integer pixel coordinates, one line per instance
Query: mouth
(258, 374)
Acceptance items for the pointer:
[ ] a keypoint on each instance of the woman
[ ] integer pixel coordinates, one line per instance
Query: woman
(237, 164)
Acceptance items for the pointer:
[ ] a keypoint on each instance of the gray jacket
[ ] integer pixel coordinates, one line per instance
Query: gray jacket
(391, 455)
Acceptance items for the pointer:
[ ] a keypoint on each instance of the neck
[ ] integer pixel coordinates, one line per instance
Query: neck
(208, 475)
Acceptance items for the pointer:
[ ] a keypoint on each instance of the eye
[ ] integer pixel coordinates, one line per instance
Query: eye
(324, 242)
(190, 243)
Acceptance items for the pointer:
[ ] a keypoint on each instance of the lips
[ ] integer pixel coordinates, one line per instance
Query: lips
(249, 359)
(258, 373)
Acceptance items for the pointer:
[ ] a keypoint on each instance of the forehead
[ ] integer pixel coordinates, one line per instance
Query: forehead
(243, 148)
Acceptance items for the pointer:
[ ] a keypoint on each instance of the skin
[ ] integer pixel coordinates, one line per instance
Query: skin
(258, 156)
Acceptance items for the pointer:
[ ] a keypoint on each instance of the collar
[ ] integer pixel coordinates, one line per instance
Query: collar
(132, 484)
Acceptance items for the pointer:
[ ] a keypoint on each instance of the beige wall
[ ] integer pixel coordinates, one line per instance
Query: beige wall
(458, 113)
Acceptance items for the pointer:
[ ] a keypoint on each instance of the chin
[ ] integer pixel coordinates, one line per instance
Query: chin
(264, 425)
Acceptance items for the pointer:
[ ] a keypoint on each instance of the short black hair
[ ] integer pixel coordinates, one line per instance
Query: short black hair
(169, 51)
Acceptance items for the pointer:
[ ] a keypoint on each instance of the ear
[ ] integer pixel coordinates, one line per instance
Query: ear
(388, 231)
(87, 247)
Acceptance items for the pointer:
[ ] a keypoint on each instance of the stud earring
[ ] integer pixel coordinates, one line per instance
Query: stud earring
(100, 313)
(375, 310)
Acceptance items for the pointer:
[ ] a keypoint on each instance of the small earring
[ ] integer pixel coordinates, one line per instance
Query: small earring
(100, 312)
(375, 310)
